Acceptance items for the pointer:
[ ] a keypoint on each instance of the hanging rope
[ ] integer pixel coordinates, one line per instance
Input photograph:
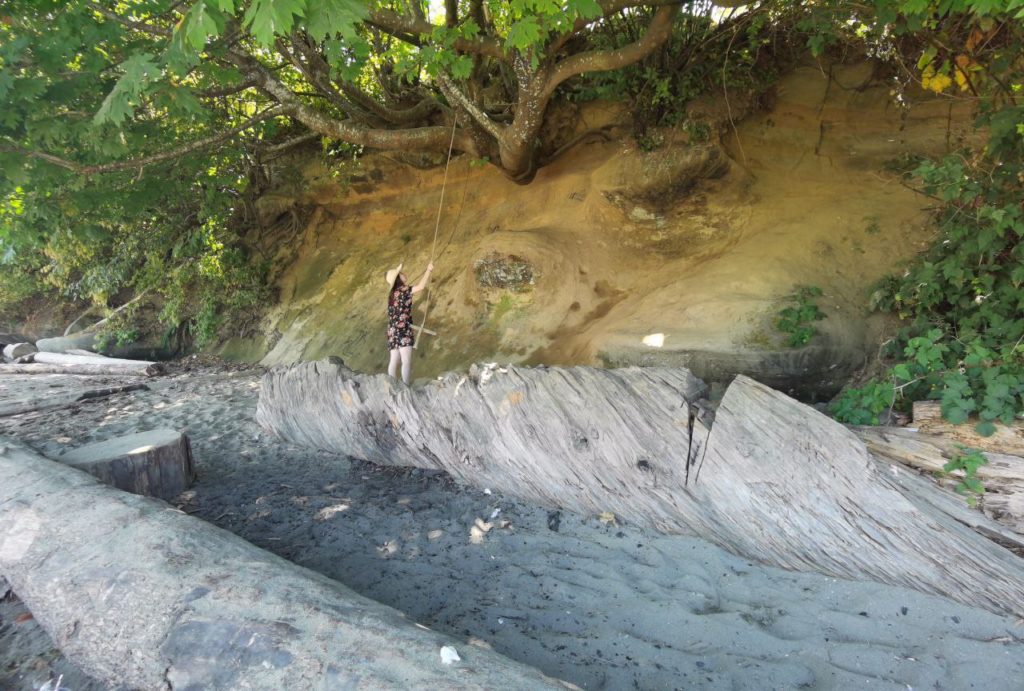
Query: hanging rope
(437, 224)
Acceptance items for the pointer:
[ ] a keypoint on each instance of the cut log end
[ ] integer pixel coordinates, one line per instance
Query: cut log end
(158, 463)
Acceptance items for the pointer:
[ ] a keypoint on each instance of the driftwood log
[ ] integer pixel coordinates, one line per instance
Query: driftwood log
(140, 595)
(773, 479)
(157, 463)
(15, 351)
(28, 405)
(97, 364)
(1002, 476)
(1007, 439)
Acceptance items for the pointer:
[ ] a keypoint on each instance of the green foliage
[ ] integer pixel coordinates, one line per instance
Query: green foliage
(862, 406)
(961, 305)
(742, 55)
(797, 319)
(967, 461)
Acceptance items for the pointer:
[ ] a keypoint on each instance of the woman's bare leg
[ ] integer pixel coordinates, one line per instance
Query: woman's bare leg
(406, 353)
(393, 363)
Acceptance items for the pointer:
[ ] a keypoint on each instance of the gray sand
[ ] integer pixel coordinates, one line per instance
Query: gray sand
(604, 606)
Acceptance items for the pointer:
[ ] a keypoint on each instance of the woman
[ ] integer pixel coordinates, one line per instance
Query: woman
(401, 337)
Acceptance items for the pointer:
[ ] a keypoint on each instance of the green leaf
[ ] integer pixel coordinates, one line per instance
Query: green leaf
(985, 429)
(268, 18)
(524, 33)
(326, 18)
(199, 25)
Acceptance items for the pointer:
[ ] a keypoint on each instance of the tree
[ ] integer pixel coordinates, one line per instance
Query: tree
(382, 76)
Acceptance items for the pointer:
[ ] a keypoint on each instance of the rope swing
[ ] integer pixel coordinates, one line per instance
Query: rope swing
(422, 328)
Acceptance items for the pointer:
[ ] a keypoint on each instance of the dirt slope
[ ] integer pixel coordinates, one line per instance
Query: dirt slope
(699, 242)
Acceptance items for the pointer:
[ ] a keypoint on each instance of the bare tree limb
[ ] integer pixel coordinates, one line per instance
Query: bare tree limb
(136, 163)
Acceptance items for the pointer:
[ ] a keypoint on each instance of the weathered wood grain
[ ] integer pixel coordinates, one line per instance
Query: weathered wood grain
(139, 595)
(1002, 476)
(1007, 439)
(774, 480)
(157, 463)
(96, 364)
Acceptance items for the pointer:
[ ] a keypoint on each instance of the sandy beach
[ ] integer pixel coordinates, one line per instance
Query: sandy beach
(594, 602)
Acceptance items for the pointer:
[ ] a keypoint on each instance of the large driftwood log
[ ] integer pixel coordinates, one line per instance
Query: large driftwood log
(1002, 476)
(777, 481)
(157, 463)
(143, 596)
(117, 365)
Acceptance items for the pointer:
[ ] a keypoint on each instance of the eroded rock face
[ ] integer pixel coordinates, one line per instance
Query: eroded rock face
(504, 271)
(772, 480)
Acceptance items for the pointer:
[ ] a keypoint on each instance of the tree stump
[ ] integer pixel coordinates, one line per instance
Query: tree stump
(154, 464)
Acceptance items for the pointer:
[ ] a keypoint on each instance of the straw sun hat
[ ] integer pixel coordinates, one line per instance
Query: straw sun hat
(391, 275)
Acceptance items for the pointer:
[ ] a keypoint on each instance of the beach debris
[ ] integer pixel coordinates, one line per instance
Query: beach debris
(608, 518)
(504, 523)
(479, 643)
(157, 463)
(479, 529)
(388, 548)
(449, 655)
(494, 514)
(487, 491)
(23, 617)
(554, 520)
(91, 523)
(434, 534)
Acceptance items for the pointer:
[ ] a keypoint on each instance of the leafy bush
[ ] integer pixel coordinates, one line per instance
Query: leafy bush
(796, 320)
(962, 304)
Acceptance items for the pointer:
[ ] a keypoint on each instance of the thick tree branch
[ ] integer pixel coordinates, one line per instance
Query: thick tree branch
(136, 163)
(658, 31)
(608, 8)
(457, 97)
(400, 25)
(419, 138)
(315, 74)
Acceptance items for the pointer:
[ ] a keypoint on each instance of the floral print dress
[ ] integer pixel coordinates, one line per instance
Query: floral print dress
(400, 333)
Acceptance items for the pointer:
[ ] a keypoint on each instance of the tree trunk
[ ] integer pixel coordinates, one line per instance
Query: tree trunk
(776, 481)
(106, 365)
(142, 596)
(157, 463)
